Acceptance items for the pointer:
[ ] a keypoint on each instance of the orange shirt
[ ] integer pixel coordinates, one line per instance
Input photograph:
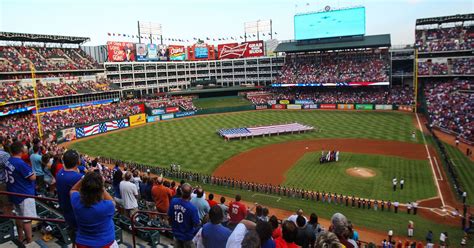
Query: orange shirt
(161, 195)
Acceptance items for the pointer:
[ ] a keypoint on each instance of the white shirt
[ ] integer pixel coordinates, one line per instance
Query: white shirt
(294, 217)
(236, 237)
(442, 237)
(129, 191)
(395, 204)
(394, 181)
(402, 181)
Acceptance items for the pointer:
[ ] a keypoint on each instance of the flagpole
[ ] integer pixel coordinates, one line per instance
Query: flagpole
(35, 90)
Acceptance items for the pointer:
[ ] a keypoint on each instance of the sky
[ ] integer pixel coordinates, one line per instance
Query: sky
(185, 19)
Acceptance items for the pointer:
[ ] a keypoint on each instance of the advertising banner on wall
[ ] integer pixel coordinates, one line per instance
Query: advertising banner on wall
(66, 135)
(384, 107)
(184, 114)
(406, 108)
(177, 52)
(167, 116)
(345, 106)
(304, 102)
(163, 53)
(103, 127)
(364, 106)
(141, 52)
(157, 111)
(310, 106)
(278, 106)
(152, 50)
(271, 102)
(243, 50)
(120, 51)
(293, 106)
(258, 107)
(172, 109)
(284, 102)
(152, 118)
(136, 120)
(327, 106)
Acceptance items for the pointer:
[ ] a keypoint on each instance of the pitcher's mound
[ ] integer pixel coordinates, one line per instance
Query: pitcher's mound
(360, 172)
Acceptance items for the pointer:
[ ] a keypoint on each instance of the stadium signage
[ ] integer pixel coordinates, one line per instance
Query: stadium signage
(157, 111)
(278, 106)
(77, 105)
(120, 51)
(102, 127)
(384, 107)
(261, 107)
(176, 52)
(310, 106)
(345, 106)
(284, 102)
(244, 50)
(406, 108)
(167, 116)
(327, 106)
(136, 120)
(304, 102)
(293, 106)
(16, 111)
(152, 118)
(364, 106)
(172, 109)
(184, 114)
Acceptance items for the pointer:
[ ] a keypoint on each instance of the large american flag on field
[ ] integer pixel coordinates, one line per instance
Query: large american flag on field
(101, 128)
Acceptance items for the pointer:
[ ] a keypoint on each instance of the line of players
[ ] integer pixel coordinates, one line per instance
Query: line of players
(330, 156)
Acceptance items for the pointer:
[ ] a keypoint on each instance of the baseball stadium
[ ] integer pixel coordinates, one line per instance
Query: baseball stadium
(318, 127)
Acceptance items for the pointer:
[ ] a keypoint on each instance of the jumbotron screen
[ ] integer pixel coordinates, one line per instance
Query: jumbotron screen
(334, 23)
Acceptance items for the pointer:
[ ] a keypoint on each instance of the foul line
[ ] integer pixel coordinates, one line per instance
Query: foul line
(276, 197)
(429, 158)
(437, 167)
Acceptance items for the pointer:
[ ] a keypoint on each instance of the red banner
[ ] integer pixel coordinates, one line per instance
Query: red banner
(176, 52)
(244, 50)
(172, 109)
(120, 51)
(327, 106)
(141, 106)
(278, 106)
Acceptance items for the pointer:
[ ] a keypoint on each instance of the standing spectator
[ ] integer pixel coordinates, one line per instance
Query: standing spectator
(327, 239)
(236, 239)
(394, 182)
(94, 210)
(225, 211)
(200, 203)
(276, 227)
(4, 156)
(210, 200)
(293, 217)
(213, 233)
(264, 230)
(35, 159)
(66, 178)
(21, 179)
(184, 218)
(161, 196)
(117, 177)
(314, 225)
(402, 182)
(237, 211)
(305, 236)
(129, 193)
(288, 237)
(411, 227)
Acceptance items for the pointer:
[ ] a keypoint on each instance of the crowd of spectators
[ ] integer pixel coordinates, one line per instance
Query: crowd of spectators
(445, 39)
(463, 66)
(375, 95)
(15, 91)
(336, 67)
(44, 59)
(185, 102)
(459, 66)
(450, 105)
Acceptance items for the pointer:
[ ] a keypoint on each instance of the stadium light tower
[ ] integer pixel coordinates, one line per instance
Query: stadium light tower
(149, 29)
(257, 27)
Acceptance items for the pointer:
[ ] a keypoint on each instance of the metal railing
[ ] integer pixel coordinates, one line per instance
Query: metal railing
(135, 228)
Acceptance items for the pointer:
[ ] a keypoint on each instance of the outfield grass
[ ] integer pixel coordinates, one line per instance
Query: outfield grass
(465, 170)
(375, 220)
(309, 174)
(221, 102)
(193, 142)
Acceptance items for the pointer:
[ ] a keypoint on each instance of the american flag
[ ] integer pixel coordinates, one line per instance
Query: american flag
(101, 128)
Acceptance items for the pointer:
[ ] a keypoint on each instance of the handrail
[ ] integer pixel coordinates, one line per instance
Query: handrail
(132, 221)
(15, 217)
(29, 196)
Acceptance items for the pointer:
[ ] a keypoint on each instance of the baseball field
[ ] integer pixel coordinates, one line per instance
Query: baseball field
(376, 145)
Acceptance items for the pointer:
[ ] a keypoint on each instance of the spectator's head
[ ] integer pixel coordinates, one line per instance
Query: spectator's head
(265, 212)
(251, 240)
(339, 225)
(117, 164)
(289, 231)
(199, 192)
(273, 221)
(17, 148)
(300, 221)
(186, 190)
(211, 197)
(222, 200)
(238, 198)
(36, 148)
(71, 159)
(259, 210)
(127, 176)
(313, 219)
(327, 240)
(264, 230)
(159, 180)
(216, 215)
(299, 212)
(91, 189)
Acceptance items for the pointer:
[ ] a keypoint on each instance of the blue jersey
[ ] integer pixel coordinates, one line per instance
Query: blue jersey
(95, 225)
(184, 219)
(215, 236)
(18, 179)
(82, 169)
(64, 182)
